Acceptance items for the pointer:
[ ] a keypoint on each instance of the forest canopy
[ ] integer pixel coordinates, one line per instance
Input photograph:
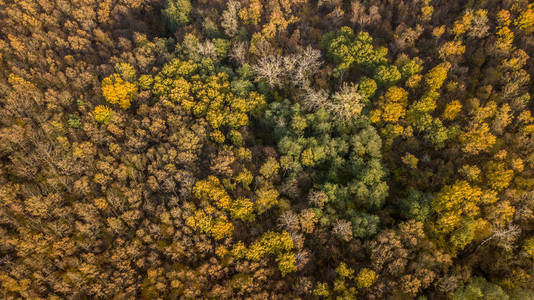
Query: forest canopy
(266, 149)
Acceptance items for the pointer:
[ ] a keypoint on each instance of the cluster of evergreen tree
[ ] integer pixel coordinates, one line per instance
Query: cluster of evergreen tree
(266, 149)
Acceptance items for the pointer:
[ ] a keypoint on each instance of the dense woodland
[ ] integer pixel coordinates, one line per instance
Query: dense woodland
(266, 149)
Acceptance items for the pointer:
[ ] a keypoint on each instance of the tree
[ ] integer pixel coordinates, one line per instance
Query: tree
(266, 197)
(479, 26)
(252, 13)
(462, 26)
(343, 229)
(177, 12)
(394, 107)
(463, 235)
(411, 67)
(452, 48)
(435, 78)
(497, 175)
(364, 225)
(416, 205)
(479, 288)
(243, 209)
(477, 139)
(347, 103)
(525, 21)
(452, 110)
(222, 229)
(103, 114)
(293, 69)
(118, 91)
(365, 278)
(348, 50)
(271, 243)
(126, 71)
(209, 97)
(230, 18)
(387, 75)
(286, 263)
(453, 202)
(212, 191)
(528, 246)
(321, 289)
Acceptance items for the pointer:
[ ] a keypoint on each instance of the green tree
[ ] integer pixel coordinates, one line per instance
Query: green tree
(416, 205)
(387, 75)
(479, 288)
(348, 50)
(177, 12)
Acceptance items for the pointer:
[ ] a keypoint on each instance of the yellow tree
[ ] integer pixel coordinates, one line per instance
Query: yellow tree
(435, 78)
(366, 278)
(505, 39)
(118, 91)
(454, 202)
(251, 14)
(478, 139)
(528, 246)
(103, 114)
(396, 99)
(212, 191)
(498, 177)
(266, 197)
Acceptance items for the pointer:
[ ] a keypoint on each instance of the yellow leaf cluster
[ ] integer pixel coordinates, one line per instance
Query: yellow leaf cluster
(451, 48)
(529, 246)
(525, 21)
(222, 229)
(452, 110)
(252, 13)
(461, 26)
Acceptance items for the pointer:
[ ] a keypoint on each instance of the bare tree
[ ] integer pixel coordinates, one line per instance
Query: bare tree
(313, 100)
(239, 52)
(229, 18)
(318, 198)
(307, 64)
(345, 105)
(343, 229)
(295, 69)
(289, 221)
(271, 69)
(207, 49)
(503, 237)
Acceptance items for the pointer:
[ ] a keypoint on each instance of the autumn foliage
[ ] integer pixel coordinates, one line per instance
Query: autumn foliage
(266, 149)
